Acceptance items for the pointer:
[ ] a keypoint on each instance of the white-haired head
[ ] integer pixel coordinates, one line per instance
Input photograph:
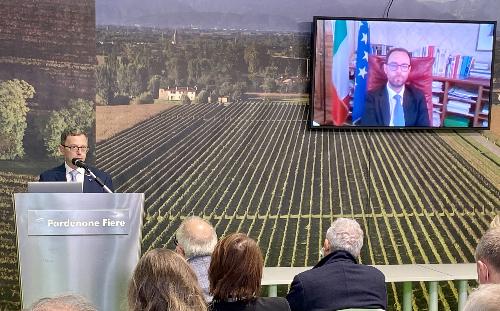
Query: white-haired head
(345, 234)
(70, 302)
(484, 298)
(196, 237)
(488, 257)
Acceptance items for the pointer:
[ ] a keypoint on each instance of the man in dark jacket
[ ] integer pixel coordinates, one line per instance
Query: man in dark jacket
(74, 145)
(338, 281)
(396, 104)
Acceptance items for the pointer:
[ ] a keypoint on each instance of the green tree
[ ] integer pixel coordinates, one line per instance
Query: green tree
(225, 89)
(185, 99)
(79, 115)
(154, 86)
(271, 72)
(214, 96)
(124, 78)
(238, 90)
(202, 97)
(13, 110)
(269, 85)
(132, 79)
(252, 58)
(196, 68)
(177, 69)
(105, 82)
(144, 98)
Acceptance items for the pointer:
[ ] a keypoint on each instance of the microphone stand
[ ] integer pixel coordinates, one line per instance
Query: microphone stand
(98, 180)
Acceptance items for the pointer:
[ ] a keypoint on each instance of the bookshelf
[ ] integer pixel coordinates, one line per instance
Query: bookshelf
(461, 101)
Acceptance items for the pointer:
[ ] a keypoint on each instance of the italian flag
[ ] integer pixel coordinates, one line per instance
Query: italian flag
(340, 73)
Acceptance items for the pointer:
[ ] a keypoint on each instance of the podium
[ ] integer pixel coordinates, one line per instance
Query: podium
(81, 243)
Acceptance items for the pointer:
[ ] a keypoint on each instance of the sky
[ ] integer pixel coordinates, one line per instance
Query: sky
(280, 13)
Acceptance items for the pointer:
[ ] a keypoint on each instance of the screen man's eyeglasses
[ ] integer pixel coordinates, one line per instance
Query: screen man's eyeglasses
(394, 67)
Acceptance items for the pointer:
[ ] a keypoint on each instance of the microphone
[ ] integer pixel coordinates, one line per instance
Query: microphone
(80, 163)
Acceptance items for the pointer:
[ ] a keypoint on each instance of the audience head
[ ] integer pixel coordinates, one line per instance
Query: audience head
(195, 237)
(163, 280)
(236, 268)
(344, 234)
(488, 257)
(63, 303)
(484, 298)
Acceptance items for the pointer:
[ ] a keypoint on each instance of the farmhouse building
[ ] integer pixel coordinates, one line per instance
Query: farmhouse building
(177, 92)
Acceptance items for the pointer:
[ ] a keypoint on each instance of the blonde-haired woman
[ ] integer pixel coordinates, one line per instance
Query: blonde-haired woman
(164, 281)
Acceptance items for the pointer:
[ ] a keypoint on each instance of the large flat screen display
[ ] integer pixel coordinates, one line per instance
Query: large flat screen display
(389, 73)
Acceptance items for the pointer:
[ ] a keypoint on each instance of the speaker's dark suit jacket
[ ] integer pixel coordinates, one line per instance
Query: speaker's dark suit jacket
(377, 108)
(89, 184)
(338, 282)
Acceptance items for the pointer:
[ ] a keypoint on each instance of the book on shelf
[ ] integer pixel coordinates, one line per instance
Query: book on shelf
(458, 66)
(437, 86)
(435, 99)
(480, 74)
(481, 66)
(458, 105)
(455, 66)
(462, 93)
(486, 109)
(436, 119)
(380, 49)
(456, 121)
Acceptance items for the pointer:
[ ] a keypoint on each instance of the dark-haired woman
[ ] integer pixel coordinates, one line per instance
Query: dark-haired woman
(235, 275)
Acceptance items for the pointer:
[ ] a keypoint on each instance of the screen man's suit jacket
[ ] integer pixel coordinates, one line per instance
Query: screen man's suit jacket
(377, 108)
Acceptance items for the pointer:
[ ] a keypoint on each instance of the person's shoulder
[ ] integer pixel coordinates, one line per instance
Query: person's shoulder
(314, 275)
(377, 91)
(54, 170)
(372, 270)
(414, 90)
(57, 168)
(272, 303)
(308, 273)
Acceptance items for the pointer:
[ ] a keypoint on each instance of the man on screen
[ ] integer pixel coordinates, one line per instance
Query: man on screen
(74, 145)
(396, 104)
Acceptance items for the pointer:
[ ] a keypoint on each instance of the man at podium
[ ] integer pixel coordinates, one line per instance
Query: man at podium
(74, 146)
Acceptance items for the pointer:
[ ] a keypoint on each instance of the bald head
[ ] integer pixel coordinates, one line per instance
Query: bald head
(196, 237)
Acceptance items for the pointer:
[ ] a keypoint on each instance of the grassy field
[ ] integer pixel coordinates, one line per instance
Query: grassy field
(111, 120)
(253, 166)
